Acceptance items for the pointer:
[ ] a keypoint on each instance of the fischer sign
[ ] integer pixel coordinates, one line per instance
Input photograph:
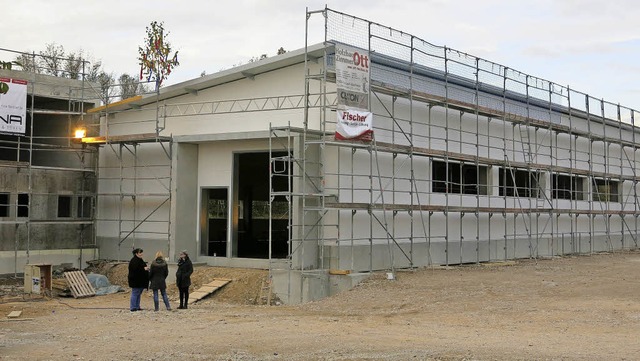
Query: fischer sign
(354, 124)
(13, 105)
(354, 120)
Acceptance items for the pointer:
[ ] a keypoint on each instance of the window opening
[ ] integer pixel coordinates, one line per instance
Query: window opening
(23, 205)
(518, 183)
(4, 204)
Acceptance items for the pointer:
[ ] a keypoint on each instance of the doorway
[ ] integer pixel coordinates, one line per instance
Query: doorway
(214, 221)
(251, 213)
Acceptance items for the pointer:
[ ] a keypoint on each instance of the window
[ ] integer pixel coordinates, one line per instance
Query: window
(217, 208)
(83, 209)
(518, 183)
(4, 204)
(458, 178)
(605, 190)
(567, 187)
(23, 205)
(64, 206)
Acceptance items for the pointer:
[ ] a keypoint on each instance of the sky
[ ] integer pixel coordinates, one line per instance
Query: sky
(589, 45)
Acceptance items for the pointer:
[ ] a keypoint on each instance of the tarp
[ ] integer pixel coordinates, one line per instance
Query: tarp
(102, 285)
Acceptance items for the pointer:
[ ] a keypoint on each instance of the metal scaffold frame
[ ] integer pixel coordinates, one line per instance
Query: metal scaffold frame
(550, 166)
(41, 153)
(141, 186)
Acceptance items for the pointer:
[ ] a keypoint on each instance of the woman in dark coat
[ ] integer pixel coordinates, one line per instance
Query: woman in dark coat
(183, 278)
(158, 272)
(138, 278)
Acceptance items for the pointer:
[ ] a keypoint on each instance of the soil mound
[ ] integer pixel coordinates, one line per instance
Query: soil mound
(244, 288)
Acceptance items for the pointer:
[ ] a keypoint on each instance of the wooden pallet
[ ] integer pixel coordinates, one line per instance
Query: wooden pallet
(79, 284)
(207, 289)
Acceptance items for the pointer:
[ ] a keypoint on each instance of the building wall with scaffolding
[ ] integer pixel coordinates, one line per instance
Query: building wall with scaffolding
(47, 180)
(160, 152)
(471, 161)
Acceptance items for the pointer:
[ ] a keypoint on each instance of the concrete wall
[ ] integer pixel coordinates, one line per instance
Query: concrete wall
(185, 207)
(13, 262)
(47, 179)
(42, 228)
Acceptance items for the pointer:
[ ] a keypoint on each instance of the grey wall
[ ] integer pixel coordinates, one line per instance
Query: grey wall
(46, 230)
(185, 200)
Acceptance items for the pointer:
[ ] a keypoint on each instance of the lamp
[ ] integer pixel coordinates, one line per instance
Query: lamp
(80, 133)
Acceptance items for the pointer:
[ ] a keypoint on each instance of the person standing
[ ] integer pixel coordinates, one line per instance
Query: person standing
(158, 272)
(183, 278)
(138, 278)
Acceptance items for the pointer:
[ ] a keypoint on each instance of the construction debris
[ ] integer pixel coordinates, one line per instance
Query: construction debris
(79, 284)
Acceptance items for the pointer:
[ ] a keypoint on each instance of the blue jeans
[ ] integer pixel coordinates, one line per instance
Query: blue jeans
(164, 298)
(134, 303)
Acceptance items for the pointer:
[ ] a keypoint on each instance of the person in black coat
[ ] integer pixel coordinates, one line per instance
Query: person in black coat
(138, 279)
(158, 272)
(183, 278)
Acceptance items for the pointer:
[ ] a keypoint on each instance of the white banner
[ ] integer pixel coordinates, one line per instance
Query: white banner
(354, 125)
(352, 76)
(352, 86)
(13, 105)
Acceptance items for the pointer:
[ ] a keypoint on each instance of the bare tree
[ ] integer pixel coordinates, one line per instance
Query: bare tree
(130, 86)
(94, 71)
(107, 90)
(52, 59)
(28, 62)
(73, 65)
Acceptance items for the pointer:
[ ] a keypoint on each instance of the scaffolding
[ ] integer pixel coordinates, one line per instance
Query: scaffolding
(135, 191)
(47, 194)
(471, 161)
(57, 195)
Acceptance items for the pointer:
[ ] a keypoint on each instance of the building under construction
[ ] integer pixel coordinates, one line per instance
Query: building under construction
(370, 150)
(47, 180)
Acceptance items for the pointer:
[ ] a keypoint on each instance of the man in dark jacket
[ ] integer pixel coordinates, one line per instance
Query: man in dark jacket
(138, 279)
(183, 278)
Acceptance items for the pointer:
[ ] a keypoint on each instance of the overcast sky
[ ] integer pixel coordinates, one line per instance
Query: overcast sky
(590, 45)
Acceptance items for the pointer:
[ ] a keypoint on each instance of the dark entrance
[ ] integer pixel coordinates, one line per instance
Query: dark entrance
(252, 201)
(215, 220)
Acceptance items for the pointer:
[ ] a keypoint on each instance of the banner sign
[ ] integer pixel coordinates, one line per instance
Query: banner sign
(354, 124)
(13, 105)
(352, 86)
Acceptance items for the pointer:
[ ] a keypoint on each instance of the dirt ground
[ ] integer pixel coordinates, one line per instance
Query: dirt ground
(572, 308)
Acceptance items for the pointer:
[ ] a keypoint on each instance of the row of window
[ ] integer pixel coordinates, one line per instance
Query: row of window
(471, 179)
(65, 206)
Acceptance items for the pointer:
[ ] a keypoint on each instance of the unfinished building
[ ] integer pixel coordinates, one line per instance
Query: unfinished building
(371, 150)
(464, 161)
(47, 181)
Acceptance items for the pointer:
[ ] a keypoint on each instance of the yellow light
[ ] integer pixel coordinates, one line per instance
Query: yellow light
(80, 133)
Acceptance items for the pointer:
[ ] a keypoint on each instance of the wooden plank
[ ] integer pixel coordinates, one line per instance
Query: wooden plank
(115, 104)
(14, 314)
(339, 272)
(216, 284)
(16, 319)
(207, 289)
